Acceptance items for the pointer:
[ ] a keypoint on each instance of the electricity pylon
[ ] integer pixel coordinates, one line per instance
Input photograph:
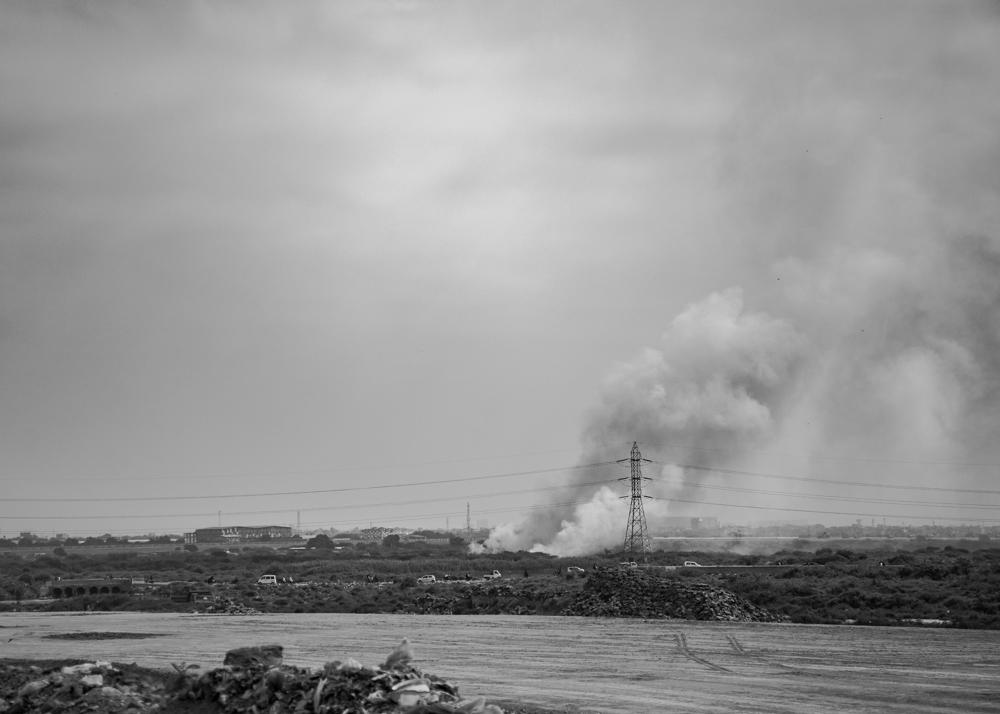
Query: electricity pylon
(636, 535)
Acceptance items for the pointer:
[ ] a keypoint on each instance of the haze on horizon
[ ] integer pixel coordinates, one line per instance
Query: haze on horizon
(384, 260)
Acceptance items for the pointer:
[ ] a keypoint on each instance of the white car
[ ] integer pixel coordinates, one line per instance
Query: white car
(267, 580)
(575, 570)
(495, 575)
(426, 579)
(691, 564)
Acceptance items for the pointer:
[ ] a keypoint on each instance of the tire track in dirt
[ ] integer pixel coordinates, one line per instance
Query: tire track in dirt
(741, 651)
(686, 651)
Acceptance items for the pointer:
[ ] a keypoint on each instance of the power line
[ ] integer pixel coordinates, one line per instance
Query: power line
(209, 514)
(406, 517)
(412, 517)
(346, 489)
(836, 513)
(846, 459)
(826, 497)
(283, 474)
(838, 482)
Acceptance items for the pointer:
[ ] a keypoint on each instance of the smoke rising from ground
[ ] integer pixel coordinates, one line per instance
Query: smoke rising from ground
(882, 368)
(861, 339)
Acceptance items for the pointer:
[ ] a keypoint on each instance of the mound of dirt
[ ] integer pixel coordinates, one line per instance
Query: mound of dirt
(637, 593)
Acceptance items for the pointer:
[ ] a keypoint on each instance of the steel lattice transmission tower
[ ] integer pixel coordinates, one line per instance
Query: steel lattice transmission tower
(636, 534)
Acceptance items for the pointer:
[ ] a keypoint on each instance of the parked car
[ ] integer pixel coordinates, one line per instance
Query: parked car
(267, 580)
(426, 579)
(495, 575)
(574, 570)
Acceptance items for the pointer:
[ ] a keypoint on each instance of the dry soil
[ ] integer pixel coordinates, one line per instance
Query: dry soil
(578, 664)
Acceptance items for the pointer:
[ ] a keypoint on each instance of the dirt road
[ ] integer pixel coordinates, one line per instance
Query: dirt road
(581, 664)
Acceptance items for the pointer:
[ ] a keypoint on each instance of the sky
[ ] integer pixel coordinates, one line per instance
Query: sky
(334, 265)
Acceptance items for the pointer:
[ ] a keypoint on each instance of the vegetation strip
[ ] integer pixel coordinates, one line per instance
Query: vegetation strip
(102, 636)
(910, 584)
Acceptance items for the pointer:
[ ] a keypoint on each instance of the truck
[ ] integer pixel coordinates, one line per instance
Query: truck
(495, 575)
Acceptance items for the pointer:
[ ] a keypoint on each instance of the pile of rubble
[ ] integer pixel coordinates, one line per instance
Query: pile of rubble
(88, 687)
(636, 593)
(253, 679)
(225, 606)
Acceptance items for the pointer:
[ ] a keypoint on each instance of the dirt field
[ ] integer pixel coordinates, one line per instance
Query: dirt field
(579, 664)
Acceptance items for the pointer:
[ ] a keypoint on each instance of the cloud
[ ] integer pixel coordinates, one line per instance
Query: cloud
(244, 235)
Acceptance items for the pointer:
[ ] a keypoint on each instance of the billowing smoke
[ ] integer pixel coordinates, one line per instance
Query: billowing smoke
(718, 378)
(882, 369)
(847, 331)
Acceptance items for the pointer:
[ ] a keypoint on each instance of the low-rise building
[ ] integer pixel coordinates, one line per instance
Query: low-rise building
(237, 534)
(71, 587)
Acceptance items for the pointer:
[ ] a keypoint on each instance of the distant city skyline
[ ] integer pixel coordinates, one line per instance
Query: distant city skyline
(487, 526)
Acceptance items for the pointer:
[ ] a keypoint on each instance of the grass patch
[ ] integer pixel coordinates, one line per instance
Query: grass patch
(102, 636)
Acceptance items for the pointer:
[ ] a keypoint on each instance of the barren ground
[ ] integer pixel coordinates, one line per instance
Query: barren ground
(578, 664)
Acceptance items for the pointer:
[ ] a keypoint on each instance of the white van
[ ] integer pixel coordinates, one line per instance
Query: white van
(267, 580)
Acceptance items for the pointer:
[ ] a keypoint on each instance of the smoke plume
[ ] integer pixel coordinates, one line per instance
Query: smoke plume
(857, 348)
(882, 369)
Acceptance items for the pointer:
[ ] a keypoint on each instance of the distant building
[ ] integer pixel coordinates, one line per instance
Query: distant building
(429, 540)
(237, 534)
(89, 586)
(378, 533)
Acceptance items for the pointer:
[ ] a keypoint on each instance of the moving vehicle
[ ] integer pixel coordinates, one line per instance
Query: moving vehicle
(691, 564)
(495, 575)
(426, 579)
(629, 564)
(267, 580)
(574, 570)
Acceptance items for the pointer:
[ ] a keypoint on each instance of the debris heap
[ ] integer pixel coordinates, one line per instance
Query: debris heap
(87, 687)
(637, 593)
(253, 680)
(226, 606)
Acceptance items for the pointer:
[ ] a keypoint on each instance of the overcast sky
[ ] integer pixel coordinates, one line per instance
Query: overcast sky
(250, 248)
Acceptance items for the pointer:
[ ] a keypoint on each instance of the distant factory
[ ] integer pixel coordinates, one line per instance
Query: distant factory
(237, 534)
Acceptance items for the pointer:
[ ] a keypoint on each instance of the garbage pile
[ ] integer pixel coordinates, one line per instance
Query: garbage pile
(88, 687)
(252, 680)
(636, 593)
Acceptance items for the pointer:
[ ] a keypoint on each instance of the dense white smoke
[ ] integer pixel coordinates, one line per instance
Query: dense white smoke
(719, 377)
(857, 202)
(886, 369)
